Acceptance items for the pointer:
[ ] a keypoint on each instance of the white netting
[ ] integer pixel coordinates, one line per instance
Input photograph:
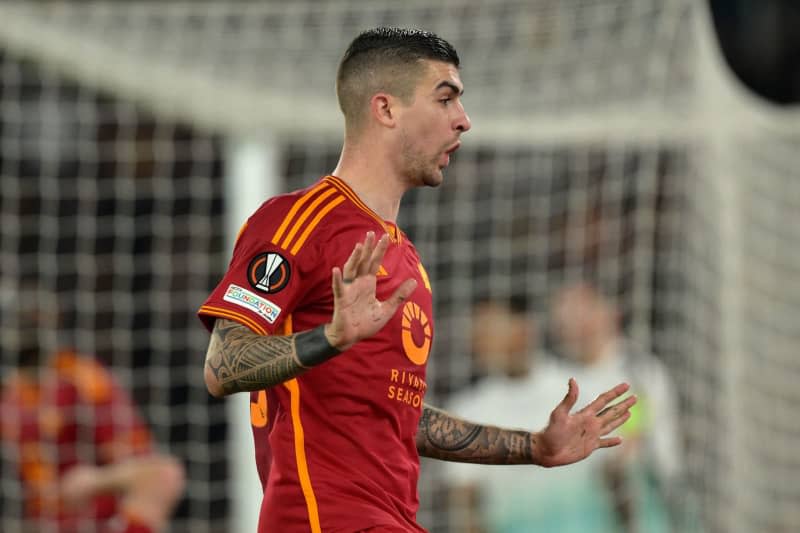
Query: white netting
(119, 215)
(607, 144)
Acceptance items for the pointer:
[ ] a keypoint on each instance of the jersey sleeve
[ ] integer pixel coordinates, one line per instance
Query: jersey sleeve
(275, 263)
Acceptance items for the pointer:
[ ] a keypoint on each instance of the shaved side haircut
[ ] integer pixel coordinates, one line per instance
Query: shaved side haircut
(386, 60)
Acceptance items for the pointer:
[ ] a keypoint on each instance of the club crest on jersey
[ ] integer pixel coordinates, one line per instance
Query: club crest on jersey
(268, 272)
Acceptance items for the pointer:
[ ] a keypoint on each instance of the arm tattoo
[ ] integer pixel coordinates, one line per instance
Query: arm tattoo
(245, 361)
(442, 436)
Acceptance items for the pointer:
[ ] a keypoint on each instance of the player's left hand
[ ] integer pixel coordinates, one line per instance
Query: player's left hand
(570, 437)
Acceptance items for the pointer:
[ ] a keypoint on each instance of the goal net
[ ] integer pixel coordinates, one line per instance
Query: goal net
(609, 145)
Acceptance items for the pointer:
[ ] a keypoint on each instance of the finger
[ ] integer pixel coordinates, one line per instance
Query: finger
(607, 397)
(613, 423)
(377, 254)
(613, 411)
(366, 254)
(400, 295)
(569, 400)
(350, 268)
(609, 442)
(336, 283)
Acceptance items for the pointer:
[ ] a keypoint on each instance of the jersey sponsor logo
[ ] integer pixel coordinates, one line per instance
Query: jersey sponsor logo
(406, 387)
(268, 272)
(244, 298)
(416, 333)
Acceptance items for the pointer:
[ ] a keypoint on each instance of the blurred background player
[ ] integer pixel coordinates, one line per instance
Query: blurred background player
(641, 474)
(624, 491)
(516, 384)
(519, 380)
(85, 458)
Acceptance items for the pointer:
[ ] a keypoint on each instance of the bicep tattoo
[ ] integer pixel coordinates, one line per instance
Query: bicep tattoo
(245, 361)
(442, 436)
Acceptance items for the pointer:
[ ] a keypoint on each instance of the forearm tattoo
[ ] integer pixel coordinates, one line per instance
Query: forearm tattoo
(245, 361)
(442, 436)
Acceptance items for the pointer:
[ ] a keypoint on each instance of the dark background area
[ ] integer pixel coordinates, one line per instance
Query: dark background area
(760, 39)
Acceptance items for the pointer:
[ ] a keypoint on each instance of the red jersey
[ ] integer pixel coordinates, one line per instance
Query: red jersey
(335, 447)
(74, 413)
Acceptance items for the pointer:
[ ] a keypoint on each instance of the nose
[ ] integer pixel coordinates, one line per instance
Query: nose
(463, 123)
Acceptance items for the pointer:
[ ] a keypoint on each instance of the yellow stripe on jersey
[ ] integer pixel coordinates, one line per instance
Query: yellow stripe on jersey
(310, 209)
(300, 456)
(241, 230)
(260, 408)
(347, 191)
(286, 327)
(233, 315)
(293, 211)
(313, 224)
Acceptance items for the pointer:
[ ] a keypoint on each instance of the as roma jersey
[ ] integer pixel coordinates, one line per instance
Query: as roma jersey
(74, 413)
(335, 447)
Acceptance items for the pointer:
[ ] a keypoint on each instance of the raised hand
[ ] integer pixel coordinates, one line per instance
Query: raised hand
(79, 485)
(357, 313)
(568, 438)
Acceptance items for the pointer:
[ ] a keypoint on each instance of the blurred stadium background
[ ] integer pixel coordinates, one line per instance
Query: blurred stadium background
(610, 142)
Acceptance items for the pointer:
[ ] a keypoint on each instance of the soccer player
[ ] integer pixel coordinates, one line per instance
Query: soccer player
(86, 459)
(325, 315)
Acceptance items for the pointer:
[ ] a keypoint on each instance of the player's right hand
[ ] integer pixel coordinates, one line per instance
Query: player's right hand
(357, 313)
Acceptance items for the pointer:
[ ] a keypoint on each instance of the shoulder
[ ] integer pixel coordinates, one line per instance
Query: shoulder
(301, 219)
(91, 379)
(650, 369)
(644, 358)
(477, 402)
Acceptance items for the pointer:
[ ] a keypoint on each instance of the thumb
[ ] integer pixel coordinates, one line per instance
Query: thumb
(402, 292)
(569, 400)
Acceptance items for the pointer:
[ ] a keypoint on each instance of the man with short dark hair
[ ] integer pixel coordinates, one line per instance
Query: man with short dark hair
(325, 315)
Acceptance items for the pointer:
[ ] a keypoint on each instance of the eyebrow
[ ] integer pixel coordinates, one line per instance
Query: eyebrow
(450, 85)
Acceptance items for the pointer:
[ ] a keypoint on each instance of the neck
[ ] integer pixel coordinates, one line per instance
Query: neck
(603, 349)
(367, 167)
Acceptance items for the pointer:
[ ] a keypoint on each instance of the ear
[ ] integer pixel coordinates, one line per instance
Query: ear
(383, 109)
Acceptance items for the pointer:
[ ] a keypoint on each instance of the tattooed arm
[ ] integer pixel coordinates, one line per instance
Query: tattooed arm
(443, 436)
(239, 360)
(568, 437)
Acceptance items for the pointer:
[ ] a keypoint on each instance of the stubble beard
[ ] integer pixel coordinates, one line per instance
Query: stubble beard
(424, 173)
(434, 177)
(420, 170)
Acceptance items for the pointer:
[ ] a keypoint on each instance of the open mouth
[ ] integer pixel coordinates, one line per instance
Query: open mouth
(453, 148)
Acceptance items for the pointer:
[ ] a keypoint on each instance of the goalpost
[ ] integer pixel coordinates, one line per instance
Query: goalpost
(609, 142)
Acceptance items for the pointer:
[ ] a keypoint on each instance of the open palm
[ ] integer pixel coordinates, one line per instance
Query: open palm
(357, 313)
(571, 437)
